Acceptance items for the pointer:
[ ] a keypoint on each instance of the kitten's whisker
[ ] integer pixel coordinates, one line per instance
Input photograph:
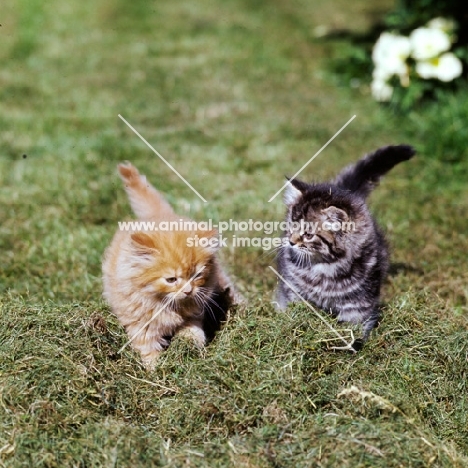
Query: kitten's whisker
(302, 258)
(165, 304)
(205, 299)
(203, 303)
(204, 307)
(305, 256)
(209, 299)
(199, 304)
(271, 252)
(174, 304)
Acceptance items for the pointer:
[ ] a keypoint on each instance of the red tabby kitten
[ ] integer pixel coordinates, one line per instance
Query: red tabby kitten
(157, 274)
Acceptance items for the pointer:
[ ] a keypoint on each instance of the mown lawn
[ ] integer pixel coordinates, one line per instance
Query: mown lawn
(235, 94)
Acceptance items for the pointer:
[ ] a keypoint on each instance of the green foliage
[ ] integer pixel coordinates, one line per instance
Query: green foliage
(31, 22)
(353, 63)
(405, 98)
(410, 14)
(266, 391)
(422, 95)
(439, 126)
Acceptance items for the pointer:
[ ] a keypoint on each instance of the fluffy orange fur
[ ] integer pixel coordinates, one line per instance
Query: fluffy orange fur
(156, 277)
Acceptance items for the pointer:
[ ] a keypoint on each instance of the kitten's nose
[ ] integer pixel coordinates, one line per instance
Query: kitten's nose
(294, 238)
(187, 289)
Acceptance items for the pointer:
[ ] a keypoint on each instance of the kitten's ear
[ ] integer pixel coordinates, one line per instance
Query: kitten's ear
(293, 192)
(335, 214)
(212, 244)
(143, 243)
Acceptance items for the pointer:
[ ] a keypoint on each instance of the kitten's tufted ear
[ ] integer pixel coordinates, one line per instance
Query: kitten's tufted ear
(209, 240)
(293, 191)
(143, 243)
(335, 214)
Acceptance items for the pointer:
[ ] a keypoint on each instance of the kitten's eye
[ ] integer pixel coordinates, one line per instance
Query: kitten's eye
(171, 280)
(308, 236)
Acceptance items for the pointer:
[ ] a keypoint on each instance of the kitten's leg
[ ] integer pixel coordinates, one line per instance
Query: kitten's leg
(149, 344)
(225, 283)
(195, 332)
(149, 360)
(282, 297)
(367, 328)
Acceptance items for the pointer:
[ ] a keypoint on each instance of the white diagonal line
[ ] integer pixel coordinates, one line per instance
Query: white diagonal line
(312, 309)
(312, 158)
(162, 159)
(159, 311)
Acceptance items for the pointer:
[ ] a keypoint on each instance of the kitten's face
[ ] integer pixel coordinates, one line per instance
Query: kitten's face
(318, 233)
(318, 229)
(170, 269)
(178, 283)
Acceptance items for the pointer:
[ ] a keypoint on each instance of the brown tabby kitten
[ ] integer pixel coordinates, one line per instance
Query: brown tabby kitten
(156, 273)
(339, 270)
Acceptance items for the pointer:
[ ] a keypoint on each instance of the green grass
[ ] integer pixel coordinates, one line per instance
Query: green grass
(235, 94)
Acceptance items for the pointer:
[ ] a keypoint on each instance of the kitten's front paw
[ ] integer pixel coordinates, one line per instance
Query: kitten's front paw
(277, 306)
(235, 297)
(150, 360)
(195, 334)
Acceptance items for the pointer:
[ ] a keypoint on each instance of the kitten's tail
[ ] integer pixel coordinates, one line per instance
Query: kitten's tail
(362, 177)
(145, 200)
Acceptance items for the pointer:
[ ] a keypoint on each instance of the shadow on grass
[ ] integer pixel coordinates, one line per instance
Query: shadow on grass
(399, 267)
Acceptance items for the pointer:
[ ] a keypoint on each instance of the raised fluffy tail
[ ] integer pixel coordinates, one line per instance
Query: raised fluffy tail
(362, 177)
(145, 200)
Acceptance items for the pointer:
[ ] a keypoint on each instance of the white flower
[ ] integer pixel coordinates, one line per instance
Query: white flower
(383, 74)
(444, 24)
(447, 67)
(390, 53)
(381, 90)
(427, 43)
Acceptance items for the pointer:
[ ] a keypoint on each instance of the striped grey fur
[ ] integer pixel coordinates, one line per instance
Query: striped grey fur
(342, 270)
